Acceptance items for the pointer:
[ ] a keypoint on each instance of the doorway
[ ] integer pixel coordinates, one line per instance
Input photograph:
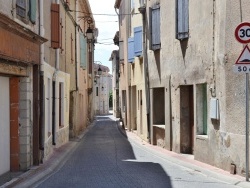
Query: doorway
(4, 125)
(186, 119)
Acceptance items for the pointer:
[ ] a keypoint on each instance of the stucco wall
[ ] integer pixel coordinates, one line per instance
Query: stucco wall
(207, 57)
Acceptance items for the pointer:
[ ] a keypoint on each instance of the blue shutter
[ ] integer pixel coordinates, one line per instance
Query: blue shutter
(32, 10)
(21, 8)
(130, 50)
(182, 19)
(83, 49)
(155, 28)
(138, 41)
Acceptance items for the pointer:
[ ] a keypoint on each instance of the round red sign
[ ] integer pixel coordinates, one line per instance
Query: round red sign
(242, 32)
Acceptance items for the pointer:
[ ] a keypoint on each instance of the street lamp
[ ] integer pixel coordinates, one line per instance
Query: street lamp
(99, 70)
(89, 34)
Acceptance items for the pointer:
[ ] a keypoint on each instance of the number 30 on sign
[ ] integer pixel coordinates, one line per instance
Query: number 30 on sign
(241, 68)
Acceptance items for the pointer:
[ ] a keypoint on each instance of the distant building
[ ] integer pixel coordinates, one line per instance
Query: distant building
(102, 88)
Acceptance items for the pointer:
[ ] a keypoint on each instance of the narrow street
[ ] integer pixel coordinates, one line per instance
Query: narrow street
(105, 158)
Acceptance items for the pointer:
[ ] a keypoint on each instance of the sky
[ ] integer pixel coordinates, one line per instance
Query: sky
(107, 25)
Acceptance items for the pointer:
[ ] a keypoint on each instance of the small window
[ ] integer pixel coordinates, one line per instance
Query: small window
(97, 91)
(155, 27)
(83, 54)
(182, 19)
(201, 102)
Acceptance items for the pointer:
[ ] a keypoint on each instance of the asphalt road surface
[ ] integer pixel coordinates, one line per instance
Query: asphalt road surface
(105, 158)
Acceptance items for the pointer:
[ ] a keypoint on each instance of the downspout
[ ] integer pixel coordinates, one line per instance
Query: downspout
(54, 78)
(142, 10)
(41, 118)
(76, 73)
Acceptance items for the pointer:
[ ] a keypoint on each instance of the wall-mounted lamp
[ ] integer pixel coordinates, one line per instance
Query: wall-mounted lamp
(89, 34)
(99, 70)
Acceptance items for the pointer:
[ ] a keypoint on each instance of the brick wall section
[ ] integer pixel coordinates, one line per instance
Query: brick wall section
(25, 135)
(14, 124)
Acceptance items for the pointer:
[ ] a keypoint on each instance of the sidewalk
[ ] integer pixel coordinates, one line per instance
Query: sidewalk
(186, 161)
(55, 162)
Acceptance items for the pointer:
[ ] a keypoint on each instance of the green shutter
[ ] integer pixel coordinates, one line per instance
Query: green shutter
(204, 90)
(32, 10)
(83, 48)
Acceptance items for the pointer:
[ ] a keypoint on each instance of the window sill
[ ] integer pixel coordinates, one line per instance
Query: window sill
(159, 126)
(202, 137)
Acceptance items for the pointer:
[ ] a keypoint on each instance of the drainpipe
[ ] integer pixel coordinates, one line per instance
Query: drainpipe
(54, 77)
(41, 87)
(76, 75)
(142, 10)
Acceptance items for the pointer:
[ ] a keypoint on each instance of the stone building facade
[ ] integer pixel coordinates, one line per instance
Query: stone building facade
(196, 100)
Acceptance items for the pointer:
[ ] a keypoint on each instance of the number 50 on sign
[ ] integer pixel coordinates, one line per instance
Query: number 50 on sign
(241, 68)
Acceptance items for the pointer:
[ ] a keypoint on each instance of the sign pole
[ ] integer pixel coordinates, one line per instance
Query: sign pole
(247, 128)
(242, 35)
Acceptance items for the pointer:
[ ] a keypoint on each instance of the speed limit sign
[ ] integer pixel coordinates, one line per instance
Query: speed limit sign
(242, 32)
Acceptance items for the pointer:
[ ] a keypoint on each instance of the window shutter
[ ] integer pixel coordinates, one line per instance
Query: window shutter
(130, 50)
(55, 26)
(182, 19)
(155, 28)
(21, 8)
(138, 41)
(83, 48)
(32, 10)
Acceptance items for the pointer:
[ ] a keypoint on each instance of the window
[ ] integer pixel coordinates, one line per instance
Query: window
(155, 27)
(138, 41)
(124, 103)
(48, 107)
(132, 5)
(61, 104)
(32, 11)
(201, 109)
(83, 48)
(27, 9)
(142, 3)
(21, 8)
(71, 48)
(97, 91)
(130, 50)
(182, 14)
(121, 51)
(55, 26)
